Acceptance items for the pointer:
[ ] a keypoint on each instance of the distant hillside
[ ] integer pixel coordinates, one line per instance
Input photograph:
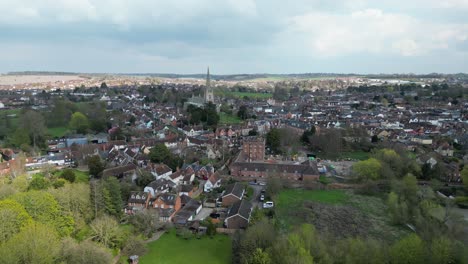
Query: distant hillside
(264, 76)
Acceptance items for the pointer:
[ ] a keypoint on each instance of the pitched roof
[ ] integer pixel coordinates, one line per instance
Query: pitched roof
(235, 189)
(242, 208)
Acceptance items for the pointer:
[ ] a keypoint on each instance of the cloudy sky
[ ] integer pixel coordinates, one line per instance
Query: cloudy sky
(234, 36)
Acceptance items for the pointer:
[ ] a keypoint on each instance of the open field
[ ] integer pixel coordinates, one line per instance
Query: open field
(337, 212)
(57, 132)
(34, 79)
(228, 119)
(170, 249)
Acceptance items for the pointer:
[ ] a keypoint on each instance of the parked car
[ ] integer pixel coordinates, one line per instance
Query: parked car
(262, 183)
(268, 204)
(262, 197)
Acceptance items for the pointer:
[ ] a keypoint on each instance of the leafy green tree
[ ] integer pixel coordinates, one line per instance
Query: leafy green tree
(75, 200)
(443, 251)
(20, 137)
(95, 165)
(38, 182)
(13, 218)
(367, 170)
(68, 175)
(72, 252)
(273, 140)
(159, 153)
(243, 112)
(464, 176)
(260, 257)
(112, 196)
(144, 178)
(43, 208)
(409, 250)
(79, 122)
(35, 244)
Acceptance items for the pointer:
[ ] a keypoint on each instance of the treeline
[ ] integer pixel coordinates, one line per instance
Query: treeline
(57, 217)
(262, 243)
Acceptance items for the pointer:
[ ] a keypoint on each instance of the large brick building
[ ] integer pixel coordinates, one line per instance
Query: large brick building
(253, 149)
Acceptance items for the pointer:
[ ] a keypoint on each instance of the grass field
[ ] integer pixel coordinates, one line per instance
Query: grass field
(228, 119)
(170, 249)
(292, 197)
(57, 132)
(80, 175)
(337, 211)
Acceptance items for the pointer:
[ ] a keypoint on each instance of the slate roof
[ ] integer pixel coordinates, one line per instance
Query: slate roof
(242, 208)
(235, 189)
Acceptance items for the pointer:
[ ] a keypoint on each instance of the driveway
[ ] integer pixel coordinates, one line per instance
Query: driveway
(256, 195)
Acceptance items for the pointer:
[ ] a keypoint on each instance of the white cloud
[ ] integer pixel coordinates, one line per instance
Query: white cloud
(370, 31)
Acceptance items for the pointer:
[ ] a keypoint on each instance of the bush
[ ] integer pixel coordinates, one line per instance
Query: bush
(68, 175)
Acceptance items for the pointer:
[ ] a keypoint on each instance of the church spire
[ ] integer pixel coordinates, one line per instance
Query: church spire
(208, 77)
(209, 96)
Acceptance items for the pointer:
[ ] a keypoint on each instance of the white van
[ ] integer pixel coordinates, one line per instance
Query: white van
(268, 204)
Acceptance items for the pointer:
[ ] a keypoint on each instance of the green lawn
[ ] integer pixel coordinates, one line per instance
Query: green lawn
(228, 119)
(170, 249)
(292, 197)
(81, 176)
(57, 132)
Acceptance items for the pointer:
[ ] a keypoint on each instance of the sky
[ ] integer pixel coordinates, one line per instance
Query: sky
(234, 36)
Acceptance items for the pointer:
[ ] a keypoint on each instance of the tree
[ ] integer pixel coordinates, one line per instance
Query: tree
(408, 250)
(159, 153)
(103, 85)
(134, 246)
(95, 165)
(260, 257)
(145, 222)
(79, 122)
(33, 123)
(464, 176)
(367, 170)
(274, 185)
(443, 251)
(75, 200)
(38, 182)
(43, 208)
(375, 139)
(20, 137)
(36, 244)
(307, 134)
(144, 178)
(72, 252)
(105, 230)
(243, 112)
(273, 140)
(13, 218)
(68, 175)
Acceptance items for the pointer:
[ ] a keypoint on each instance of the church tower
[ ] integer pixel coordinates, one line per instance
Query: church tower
(209, 95)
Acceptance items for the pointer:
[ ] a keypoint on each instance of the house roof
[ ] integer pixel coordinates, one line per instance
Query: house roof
(235, 189)
(242, 208)
(117, 171)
